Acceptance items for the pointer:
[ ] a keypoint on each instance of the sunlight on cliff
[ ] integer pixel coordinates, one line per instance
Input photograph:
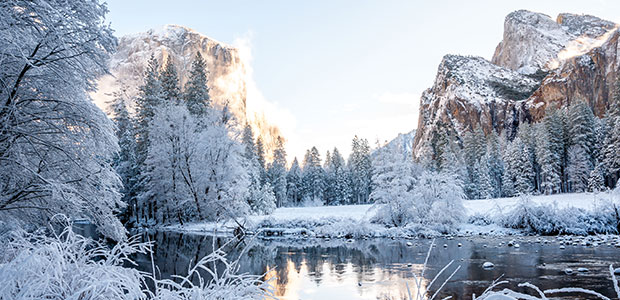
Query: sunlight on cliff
(579, 46)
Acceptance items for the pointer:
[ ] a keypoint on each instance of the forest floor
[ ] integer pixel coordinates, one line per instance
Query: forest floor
(354, 220)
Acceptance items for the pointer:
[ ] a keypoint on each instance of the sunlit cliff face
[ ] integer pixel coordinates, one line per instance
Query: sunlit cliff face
(227, 66)
(580, 46)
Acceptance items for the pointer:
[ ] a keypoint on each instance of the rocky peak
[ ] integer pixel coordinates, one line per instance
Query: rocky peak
(227, 72)
(532, 41)
(539, 62)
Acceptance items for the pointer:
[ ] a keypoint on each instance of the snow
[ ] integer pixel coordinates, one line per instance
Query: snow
(354, 220)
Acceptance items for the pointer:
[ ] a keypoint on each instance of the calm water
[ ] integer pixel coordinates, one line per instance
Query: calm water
(379, 268)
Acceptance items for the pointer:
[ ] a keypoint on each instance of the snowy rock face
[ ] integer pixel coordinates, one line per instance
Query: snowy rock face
(227, 72)
(470, 92)
(534, 41)
(404, 141)
(539, 62)
(530, 41)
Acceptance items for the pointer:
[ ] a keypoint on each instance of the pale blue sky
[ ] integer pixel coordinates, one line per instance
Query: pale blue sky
(338, 68)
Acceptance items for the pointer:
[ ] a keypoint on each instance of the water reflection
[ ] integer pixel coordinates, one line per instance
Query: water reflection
(379, 268)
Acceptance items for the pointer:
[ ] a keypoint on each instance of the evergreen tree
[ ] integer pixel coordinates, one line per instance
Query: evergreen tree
(149, 98)
(170, 82)
(293, 184)
(579, 167)
(487, 188)
(549, 161)
(262, 164)
(611, 147)
(596, 182)
(125, 160)
(338, 182)
(474, 148)
(196, 89)
(582, 128)
(495, 162)
(557, 147)
(360, 165)
(313, 176)
(277, 172)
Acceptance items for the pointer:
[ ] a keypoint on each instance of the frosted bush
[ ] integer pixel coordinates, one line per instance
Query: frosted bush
(69, 266)
(551, 220)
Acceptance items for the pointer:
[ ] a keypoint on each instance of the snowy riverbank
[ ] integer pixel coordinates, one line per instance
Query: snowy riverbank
(354, 221)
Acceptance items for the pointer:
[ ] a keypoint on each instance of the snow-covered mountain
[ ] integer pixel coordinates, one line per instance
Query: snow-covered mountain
(228, 73)
(539, 62)
(404, 141)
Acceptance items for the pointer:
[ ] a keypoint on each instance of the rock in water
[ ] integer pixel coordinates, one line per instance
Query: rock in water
(488, 265)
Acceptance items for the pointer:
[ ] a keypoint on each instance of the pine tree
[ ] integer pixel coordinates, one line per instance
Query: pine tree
(293, 184)
(557, 147)
(360, 165)
(125, 159)
(473, 148)
(495, 162)
(582, 128)
(338, 184)
(596, 182)
(262, 164)
(170, 82)
(611, 147)
(196, 89)
(549, 161)
(149, 98)
(313, 175)
(277, 172)
(487, 188)
(579, 167)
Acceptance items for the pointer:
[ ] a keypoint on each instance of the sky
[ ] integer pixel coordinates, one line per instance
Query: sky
(329, 70)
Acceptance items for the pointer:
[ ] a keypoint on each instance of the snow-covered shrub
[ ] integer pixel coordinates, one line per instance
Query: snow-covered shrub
(551, 220)
(439, 200)
(480, 219)
(69, 266)
(262, 200)
(542, 219)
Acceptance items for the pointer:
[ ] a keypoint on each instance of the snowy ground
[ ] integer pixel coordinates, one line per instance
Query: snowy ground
(352, 220)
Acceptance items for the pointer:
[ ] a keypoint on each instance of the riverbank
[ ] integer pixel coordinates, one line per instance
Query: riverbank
(483, 217)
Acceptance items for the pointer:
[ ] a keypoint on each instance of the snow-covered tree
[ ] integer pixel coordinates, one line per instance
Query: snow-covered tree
(611, 147)
(438, 200)
(579, 166)
(193, 171)
(519, 175)
(196, 90)
(262, 199)
(360, 165)
(150, 96)
(313, 176)
(474, 147)
(582, 127)
(338, 180)
(549, 160)
(394, 178)
(487, 184)
(170, 82)
(294, 184)
(56, 146)
(596, 182)
(262, 161)
(277, 172)
(125, 162)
